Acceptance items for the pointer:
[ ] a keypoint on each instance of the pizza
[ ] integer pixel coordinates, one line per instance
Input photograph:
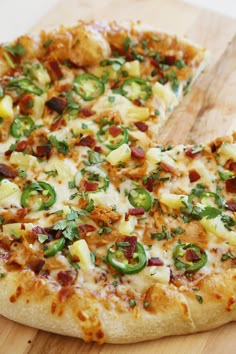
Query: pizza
(106, 234)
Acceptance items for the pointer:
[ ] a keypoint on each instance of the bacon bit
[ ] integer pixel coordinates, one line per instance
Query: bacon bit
(87, 228)
(143, 127)
(87, 141)
(57, 123)
(43, 151)
(231, 205)
(114, 131)
(193, 176)
(54, 70)
(137, 102)
(22, 145)
(191, 256)
(22, 226)
(36, 265)
(232, 166)
(65, 278)
(7, 171)
(25, 103)
(65, 293)
(155, 261)
(230, 185)
(167, 168)
(97, 149)
(155, 63)
(86, 112)
(129, 250)
(39, 230)
(170, 59)
(137, 152)
(56, 104)
(190, 153)
(213, 148)
(136, 211)
(126, 216)
(149, 184)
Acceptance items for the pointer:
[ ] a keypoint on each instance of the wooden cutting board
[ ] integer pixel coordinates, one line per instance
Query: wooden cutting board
(208, 111)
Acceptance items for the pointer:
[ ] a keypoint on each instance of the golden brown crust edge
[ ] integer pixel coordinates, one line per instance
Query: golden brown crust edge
(174, 311)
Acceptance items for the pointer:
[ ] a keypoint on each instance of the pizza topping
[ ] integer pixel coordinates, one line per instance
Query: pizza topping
(137, 152)
(112, 136)
(22, 126)
(136, 211)
(91, 179)
(52, 248)
(193, 152)
(189, 257)
(25, 85)
(230, 185)
(87, 141)
(194, 176)
(143, 127)
(38, 196)
(56, 104)
(140, 198)
(117, 257)
(7, 171)
(88, 86)
(43, 151)
(155, 261)
(54, 69)
(231, 205)
(136, 89)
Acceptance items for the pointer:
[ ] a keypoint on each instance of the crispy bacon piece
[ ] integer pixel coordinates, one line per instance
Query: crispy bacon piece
(170, 59)
(90, 186)
(26, 103)
(149, 184)
(137, 102)
(86, 112)
(232, 166)
(85, 228)
(36, 265)
(230, 185)
(136, 211)
(87, 141)
(66, 278)
(57, 123)
(22, 145)
(43, 151)
(7, 171)
(231, 205)
(54, 70)
(193, 175)
(137, 152)
(56, 104)
(143, 127)
(190, 153)
(97, 148)
(114, 131)
(129, 250)
(191, 256)
(167, 168)
(155, 261)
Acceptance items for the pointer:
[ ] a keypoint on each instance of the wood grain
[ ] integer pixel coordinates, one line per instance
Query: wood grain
(209, 110)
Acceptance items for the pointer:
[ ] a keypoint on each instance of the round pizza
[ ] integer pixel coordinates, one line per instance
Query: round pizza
(105, 234)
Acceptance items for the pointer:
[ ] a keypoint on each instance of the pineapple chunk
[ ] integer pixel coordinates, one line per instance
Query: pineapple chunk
(119, 155)
(7, 188)
(26, 161)
(42, 75)
(17, 228)
(39, 105)
(226, 152)
(164, 92)
(159, 274)
(132, 67)
(65, 168)
(216, 227)
(6, 108)
(154, 155)
(101, 71)
(81, 250)
(79, 126)
(175, 201)
(135, 113)
(127, 227)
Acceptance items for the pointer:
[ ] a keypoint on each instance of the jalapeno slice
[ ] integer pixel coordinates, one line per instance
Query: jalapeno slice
(113, 136)
(54, 247)
(38, 196)
(21, 126)
(136, 88)
(92, 179)
(140, 198)
(189, 257)
(118, 260)
(25, 85)
(88, 86)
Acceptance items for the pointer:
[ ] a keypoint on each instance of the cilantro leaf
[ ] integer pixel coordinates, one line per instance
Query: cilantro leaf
(16, 49)
(210, 212)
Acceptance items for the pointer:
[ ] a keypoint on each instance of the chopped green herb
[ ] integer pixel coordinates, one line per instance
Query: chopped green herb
(1, 92)
(111, 99)
(93, 257)
(115, 283)
(2, 275)
(164, 235)
(52, 173)
(199, 299)
(47, 43)
(179, 63)
(22, 172)
(146, 304)
(61, 146)
(16, 49)
(104, 230)
(132, 303)
(42, 238)
(228, 255)
(210, 212)
(71, 184)
(2, 219)
(90, 206)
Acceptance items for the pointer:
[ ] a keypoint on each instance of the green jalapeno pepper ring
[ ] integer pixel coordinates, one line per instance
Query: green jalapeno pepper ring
(136, 88)
(54, 247)
(25, 85)
(140, 198)
(35, 188)
(179, 251)
(88, 86)
(21, 125)
(128, 268)
(111, 142)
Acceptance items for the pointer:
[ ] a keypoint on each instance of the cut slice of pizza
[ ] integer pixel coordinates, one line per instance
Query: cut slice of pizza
(129, 75)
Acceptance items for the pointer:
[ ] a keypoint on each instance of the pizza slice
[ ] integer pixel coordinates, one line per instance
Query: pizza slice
(129, 75)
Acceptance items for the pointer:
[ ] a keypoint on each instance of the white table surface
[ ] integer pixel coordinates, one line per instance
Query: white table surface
(18, 16)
